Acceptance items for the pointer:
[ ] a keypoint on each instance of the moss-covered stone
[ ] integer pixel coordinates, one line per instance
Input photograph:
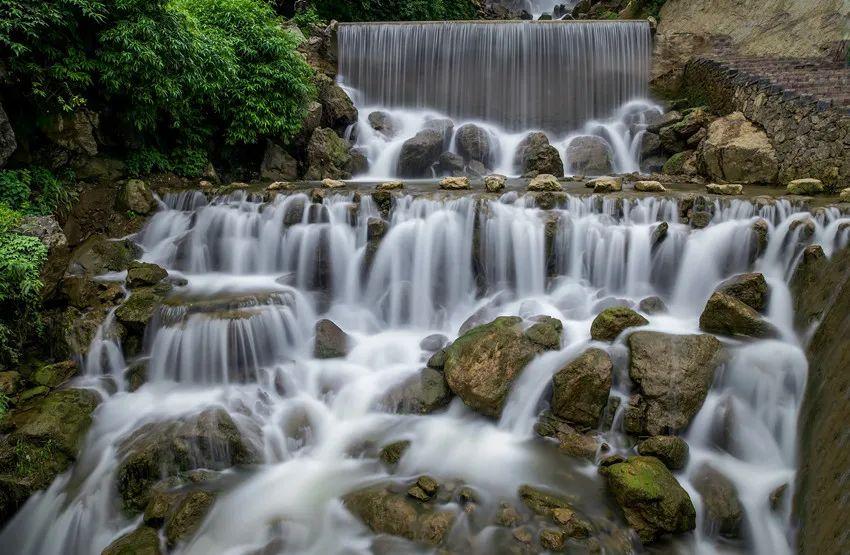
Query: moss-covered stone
(723, 510)
(392, 453)
(136, 312)
(182, 523)
(671, 450)
(54, 375)
(726, 315)
(546, 332)
(611, 322)
(653, 502)
(580, 389)
(142, 274)
(99, 255)
(141, 541)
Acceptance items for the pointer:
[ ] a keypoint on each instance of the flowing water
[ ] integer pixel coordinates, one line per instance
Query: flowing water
(564, 78)
(258, 275)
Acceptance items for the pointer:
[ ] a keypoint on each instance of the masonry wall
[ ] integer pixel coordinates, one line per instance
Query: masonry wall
(811, 137)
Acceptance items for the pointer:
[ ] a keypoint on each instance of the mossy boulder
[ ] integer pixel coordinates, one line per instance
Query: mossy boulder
(580, 389)
(556, 508)
(208, 440)
(137, 197)
(99, 255)
(681, 163)
(142, 274)
(611, 322)
(422, 394)
(672, 374)
(671, 450)
(392, 453)
(805, 186)
(750, 288)
(481, 365)
(331, 341)
(186, 517)
(141, 541)
(571, 442)
(653, 502)
(139, 308)
(327, 156)
(725, 315)
(397, 514)
(54, 375)
(546, 332)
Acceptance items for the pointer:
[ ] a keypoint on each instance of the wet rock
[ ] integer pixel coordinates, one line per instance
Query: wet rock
(473, 143)
(649, 187)
(481, 365)
(653, 502)
(589, 155)
(806, 186)
(281, 186)
(723, 510)
(419, 153)
(141, 541)
(437, 360)
(580, 389)
(444, 126)
(136, 312)
(571, 442)
(652, 305)
(383, 122)
(329, 183)
(736, 151)
(761, 234)
(455, 183)
(184, 520)
(10, 383)
(750, 289)
(390, 186)
(424, 394)
(392, 453)
(553, 539)
(137, 198)
(546, 332)
(494, 183)
(54, 375)
(545, 182)
(671, 450)
(385, 512)
(99, 255)
(681, 163)
(777, 497)
(726, 315)
(331, 341)
(277, 164)
(672, 374)
(424, 489)
(650, 144)
(700, 219)
(207, 440)
(358, 162)
(535, 156)
(810, 296)
(338, 111)
(476, 169)
(659, 233)
(542, 502)
(507, 516)
(523, 535)
(658, 121)
(433, 342)
(724, 189)
(143, 274)
(611, 322)
(451, 164)
(327, 156)
(606, 184)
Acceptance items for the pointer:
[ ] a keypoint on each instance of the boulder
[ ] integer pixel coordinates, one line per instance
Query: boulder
(750, 288)
(546, 332)
(737, 151)
(444, 126)
(143, 274)
(474, 168)
(761, 236)
(455, 183)
(844, 195)
(495, 183)
(652, 305)
(54, 375)
(396, 514)
(535, 155)
(137, 197)
(681, 163)
(451, 164)
(392, 453)
(423, 394)
(589, 155)
(727, 315)
(419, 153)
(433, 342)
(671, 450)
(481, 365)
(606, 184)
(580, 389)
(312, 121)
(208, 440)
(571, 442)
(186, 516)
(73, 131)
(277, 164)
(329, 183)
(649, 187)
(327, 156)
(545, 182)
(700, 219)
(473, 143)
(144, 540)
(805, 186)
(383, 123)
(650, 144)
(99, 255)
(390, 186)
(724, 513)
(8, 144)
(338, 111)
(730, 189)
(47, 230)
(655, 122)
(136, 312)
(672, 374)
(653, 502)
(611, 322)
(331, 341)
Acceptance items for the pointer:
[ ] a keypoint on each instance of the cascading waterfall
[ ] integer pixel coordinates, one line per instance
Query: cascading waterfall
(258, 275)
(563, 78)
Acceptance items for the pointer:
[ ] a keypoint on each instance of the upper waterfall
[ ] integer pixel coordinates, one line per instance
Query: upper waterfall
(553, 75)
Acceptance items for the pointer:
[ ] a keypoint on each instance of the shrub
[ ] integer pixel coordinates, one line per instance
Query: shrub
(395, 10)
(35, 191)
(183, 161)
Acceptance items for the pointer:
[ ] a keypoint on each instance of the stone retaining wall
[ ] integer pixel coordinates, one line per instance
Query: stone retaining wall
(811, 134)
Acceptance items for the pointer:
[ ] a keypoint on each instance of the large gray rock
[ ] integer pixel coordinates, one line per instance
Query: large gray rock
(331, 341)
(589, 155)
(277, 164)
(580, 389)
(736, 151)
(444, 126)
(727, 315)
(535, 156)
(137, 197)
(473, 143)
(724, 513)
(383, 122)
(338, 111)
(750, 289)
(74, 132)
(611, 322)
(47, 229)
(327, 156)
(8, 144)
(671, 450)
(419, 153)
(672, 374)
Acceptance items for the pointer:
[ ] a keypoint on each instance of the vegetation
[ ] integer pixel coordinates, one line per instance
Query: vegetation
(395, 10)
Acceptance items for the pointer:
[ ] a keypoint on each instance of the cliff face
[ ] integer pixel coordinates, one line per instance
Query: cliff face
(822, 501)
(788, 28)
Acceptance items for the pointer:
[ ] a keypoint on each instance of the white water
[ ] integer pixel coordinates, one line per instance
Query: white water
(238, 257)
(510, 78)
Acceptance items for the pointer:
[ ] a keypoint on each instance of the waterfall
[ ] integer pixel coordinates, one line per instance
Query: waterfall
(237, 335)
